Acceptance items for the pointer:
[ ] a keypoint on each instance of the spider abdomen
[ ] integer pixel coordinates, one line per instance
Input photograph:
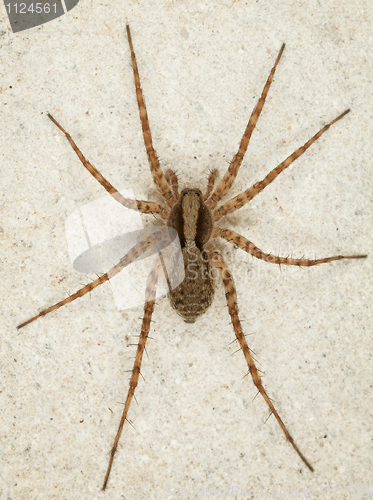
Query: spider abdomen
(195, 293)
(193, 221)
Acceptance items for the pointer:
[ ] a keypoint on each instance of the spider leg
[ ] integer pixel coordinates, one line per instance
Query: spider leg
(231, 296)
(145, 207)
(139, 249)
(210, 184)
(148, 311)
(249, 247)
(155, 168)
(241, 199)
(229, 177)
(171, 176)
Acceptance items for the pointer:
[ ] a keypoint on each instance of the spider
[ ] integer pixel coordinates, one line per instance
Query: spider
(195, 216)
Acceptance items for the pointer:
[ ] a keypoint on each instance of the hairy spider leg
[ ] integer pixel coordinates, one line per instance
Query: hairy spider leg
(243, 198)
(145, 207)
(210, 184)
(148, 311)
(226, 183)
(135, 252)
(155, 168)
(231, 297)
(249, 247)
(172, 177)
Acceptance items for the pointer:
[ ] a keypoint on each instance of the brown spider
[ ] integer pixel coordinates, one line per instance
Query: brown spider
(194, 216)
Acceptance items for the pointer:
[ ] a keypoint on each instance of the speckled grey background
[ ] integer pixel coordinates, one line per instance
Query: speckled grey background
(203, 66)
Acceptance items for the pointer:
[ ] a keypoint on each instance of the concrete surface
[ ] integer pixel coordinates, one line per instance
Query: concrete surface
(63, 381)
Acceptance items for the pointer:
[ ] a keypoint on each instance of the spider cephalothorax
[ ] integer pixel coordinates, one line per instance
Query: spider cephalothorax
(194, 216)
